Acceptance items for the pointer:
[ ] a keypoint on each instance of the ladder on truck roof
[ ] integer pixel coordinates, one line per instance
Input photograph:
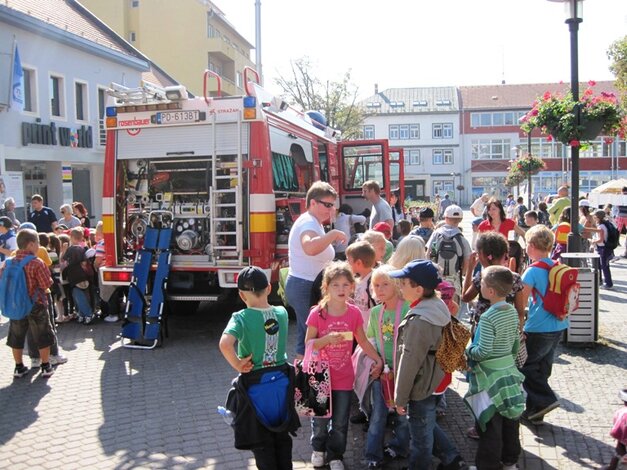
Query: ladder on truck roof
(226, 201)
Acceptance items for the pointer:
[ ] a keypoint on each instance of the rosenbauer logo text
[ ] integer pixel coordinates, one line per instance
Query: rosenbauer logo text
(134, 122)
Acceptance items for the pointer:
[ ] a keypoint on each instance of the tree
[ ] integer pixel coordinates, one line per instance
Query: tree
(617, 53)
(335, 99)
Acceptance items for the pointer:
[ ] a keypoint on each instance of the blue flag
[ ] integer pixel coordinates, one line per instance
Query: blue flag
(17, 83)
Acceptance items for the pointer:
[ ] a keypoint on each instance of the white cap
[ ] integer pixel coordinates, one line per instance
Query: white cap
(584, 203)
(453, 212)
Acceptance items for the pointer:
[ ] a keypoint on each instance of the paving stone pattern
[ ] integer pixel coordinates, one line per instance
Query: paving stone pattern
(116, 408)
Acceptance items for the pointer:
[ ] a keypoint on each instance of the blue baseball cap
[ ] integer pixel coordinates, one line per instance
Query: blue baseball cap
(423, 272)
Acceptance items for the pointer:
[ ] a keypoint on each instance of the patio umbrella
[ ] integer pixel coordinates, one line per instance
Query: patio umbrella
(611, 187)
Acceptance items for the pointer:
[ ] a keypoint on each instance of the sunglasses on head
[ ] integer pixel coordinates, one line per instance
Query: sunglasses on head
(328, 205)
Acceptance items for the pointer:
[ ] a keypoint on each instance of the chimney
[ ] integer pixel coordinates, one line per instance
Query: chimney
(376, 88)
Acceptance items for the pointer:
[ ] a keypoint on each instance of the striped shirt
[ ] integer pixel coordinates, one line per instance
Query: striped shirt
(497, 333)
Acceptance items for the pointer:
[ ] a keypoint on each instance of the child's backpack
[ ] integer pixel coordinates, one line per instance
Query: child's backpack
(448, 252)
(561, 233)
(562, 293)
(611, 241)
(15, 303)
(451, 352)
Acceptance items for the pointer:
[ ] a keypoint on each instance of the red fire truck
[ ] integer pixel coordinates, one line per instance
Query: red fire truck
(232, 172)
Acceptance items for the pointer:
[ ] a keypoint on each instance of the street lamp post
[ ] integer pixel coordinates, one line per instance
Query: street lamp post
(574, 9)
(459, 186)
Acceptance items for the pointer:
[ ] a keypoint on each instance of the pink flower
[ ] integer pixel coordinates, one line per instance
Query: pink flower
(574, 143)
(549, 138)
(534, 112)
(592, 83)
(547, 95)
(608, 140)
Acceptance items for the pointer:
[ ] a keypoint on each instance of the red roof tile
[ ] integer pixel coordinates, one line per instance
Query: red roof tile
(63, 15)
(516, 96)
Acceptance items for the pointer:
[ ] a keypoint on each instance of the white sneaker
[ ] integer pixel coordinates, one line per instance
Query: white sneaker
(111, 318)
(317, 459)
(510, 467)
(35, 363)
(336, 465)
(58, 359)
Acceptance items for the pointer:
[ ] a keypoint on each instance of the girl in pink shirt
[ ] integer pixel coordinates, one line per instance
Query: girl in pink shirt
(331, 326)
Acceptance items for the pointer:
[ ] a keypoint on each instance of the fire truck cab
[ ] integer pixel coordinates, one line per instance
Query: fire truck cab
(233, 173)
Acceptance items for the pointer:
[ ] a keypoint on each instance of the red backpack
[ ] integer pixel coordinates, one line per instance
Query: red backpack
(562, 293)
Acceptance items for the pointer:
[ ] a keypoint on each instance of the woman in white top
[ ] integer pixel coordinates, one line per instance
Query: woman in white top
(310, 249)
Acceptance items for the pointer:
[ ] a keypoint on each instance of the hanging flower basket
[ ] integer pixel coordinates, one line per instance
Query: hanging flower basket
(555, 115)
(523, 168)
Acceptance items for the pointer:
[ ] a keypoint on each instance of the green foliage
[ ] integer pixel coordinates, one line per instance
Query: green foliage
(335, 99)
(617, 53)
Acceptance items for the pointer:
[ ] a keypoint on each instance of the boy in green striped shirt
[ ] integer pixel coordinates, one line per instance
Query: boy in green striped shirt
(495, 385)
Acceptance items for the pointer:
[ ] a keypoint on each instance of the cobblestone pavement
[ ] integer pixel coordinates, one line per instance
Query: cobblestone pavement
(116, 408)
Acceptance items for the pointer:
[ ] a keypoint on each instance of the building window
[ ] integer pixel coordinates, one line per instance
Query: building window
(447, 131)
(412, 156)
(134, 3)
(442, 157)
(414, 131)
(30, 90)
(404, 132)
(80, 99)
(215, 67)
(491, 149)
(57, 96)
(368, 132)
(443, 187)
(238, 80)
(496, 119)
(212, 31)
(393, 132)
(132, 37)
(443, 131)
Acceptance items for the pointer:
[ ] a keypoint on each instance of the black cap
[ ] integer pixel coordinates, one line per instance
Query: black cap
(426, 213)
(252, 279)
(6, 222)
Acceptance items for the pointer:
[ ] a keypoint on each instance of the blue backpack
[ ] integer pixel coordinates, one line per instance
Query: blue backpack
(15, 303)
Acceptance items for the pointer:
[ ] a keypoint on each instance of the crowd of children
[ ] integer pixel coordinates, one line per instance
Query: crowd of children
(67, 289)
(394, 305)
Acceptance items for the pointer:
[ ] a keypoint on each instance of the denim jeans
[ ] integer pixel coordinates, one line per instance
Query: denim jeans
(376, 428)
(427, 438)
(499, 444)
(298, 292)
(81, 299)
(537, 369)
(329, 434)
(606, 255)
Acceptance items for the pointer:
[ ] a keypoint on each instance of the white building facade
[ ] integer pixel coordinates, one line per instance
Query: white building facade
(424, 122)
